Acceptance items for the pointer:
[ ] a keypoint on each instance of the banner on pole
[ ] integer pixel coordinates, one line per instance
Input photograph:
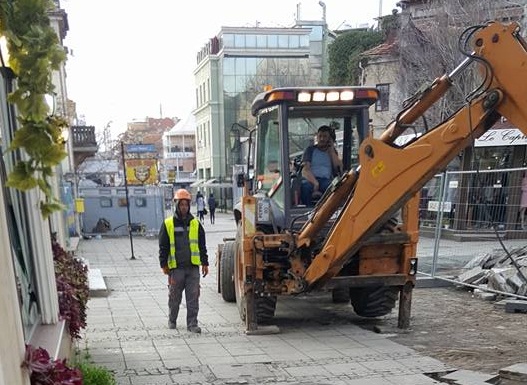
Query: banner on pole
(141, 171)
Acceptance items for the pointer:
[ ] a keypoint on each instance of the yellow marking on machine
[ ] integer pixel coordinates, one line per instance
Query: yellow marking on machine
(378, 169)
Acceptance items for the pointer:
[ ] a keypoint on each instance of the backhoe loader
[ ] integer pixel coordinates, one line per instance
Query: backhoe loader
(359, 240)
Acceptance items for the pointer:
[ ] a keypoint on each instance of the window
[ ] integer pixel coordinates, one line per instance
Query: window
(283, 41)
(122, 202)
(105, 202)
(261, 41)
(316, 33)
(383, 104)
(272, 41)
(294, 41)
(304, 41)
(250, 41)
(228, 40)
(239, 41)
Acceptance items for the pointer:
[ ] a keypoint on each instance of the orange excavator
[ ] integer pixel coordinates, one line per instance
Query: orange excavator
(359, 240)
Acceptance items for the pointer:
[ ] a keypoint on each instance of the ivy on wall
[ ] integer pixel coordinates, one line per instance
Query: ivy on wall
(346, 51)
(34, 52)
(344, 55)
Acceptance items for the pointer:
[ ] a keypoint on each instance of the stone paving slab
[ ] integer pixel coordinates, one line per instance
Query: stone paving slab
(127, 332)
(516, 372)
(468, 377)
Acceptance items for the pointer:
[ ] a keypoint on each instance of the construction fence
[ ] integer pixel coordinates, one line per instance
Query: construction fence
(466, 215)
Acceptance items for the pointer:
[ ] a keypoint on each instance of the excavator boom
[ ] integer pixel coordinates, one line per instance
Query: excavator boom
(389, 175)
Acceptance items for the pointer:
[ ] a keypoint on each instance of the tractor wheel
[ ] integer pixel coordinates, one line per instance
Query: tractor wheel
(227, 272)
(374, 301)
(340, 295)
(265, 306)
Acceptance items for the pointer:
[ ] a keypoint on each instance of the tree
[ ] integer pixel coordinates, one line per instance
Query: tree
(434, 42)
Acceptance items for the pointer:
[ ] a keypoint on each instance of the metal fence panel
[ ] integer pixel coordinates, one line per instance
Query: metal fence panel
(462, 214)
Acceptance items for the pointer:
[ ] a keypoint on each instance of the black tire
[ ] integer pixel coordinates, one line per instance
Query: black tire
(227, 272)
(374, 301)
(340, 295)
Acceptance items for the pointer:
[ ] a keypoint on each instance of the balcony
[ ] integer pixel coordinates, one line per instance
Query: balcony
(84, 143)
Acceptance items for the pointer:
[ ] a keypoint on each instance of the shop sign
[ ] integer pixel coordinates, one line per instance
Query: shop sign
(503, 137)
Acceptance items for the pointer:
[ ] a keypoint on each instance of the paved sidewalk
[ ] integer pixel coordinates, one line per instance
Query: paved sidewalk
(127, 331)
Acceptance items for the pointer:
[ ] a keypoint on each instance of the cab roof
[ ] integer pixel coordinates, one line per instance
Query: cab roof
(316, 96)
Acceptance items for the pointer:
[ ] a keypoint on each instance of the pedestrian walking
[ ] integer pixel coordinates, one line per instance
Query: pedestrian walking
(200, 204)
(212, 208)
(182, 249)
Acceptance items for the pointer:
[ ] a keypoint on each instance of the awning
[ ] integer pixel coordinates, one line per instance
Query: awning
(216, 183)
(198, 183)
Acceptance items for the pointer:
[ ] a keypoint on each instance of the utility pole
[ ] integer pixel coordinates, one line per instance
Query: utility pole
(127, 203)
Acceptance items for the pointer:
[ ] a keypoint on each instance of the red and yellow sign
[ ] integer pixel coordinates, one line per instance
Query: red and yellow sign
(141, 171)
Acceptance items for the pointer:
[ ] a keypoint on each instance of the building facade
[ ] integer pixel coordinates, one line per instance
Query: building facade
(232, 68)
(178, 165)
(502, 147)
(29, 310)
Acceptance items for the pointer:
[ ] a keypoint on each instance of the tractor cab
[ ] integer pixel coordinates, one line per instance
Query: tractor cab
(287, 123)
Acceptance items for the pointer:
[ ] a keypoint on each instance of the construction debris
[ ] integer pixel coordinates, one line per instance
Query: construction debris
(516, 372)
(516, 306)
(498, 271)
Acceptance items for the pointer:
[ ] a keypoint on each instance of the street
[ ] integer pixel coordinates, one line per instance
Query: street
(127, 331)
(319, 342)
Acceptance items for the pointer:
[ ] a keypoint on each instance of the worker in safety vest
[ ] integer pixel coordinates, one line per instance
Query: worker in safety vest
(182, 249)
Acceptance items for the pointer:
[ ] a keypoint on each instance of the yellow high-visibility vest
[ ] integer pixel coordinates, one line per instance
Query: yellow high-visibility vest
(193, 232)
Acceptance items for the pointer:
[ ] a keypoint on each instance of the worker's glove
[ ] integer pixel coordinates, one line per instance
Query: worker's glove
(165, 270)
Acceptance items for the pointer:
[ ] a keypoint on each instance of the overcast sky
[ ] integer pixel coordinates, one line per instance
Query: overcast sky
(131, 59)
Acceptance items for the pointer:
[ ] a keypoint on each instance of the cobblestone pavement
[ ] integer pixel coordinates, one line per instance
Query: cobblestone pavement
(319, 342)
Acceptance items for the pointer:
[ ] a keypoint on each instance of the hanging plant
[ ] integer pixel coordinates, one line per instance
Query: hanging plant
(34, 52)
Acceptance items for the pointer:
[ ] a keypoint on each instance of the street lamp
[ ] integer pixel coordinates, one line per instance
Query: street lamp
(323, 5)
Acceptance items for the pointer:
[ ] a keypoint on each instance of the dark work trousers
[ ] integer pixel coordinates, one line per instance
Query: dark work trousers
(306, 190)
(212, 213)
(187, 279)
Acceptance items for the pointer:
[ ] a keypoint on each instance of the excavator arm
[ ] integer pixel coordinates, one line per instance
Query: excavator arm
(389, 175)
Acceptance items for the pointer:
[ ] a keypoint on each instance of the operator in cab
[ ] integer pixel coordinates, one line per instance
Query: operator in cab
(320, 164)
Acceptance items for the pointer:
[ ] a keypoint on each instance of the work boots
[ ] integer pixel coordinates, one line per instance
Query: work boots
(194, 329)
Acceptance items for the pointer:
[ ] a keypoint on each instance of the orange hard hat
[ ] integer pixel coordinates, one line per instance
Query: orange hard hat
(182, 194)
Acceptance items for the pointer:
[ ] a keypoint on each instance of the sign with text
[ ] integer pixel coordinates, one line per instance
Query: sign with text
(140, 148)
(491, 138)
(503, 137)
